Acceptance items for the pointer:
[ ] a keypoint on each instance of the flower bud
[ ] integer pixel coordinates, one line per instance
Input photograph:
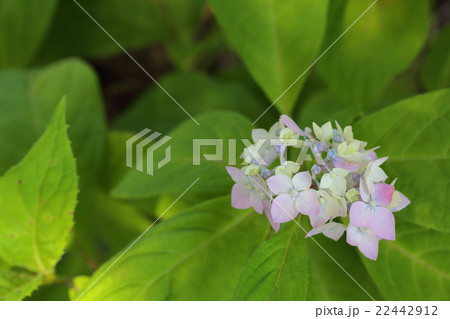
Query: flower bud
(316, 170)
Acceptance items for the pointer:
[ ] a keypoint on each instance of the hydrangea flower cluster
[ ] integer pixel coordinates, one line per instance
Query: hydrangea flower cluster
(345, 189)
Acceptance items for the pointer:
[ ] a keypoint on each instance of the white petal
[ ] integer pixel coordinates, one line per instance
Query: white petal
(327, 131)
(380, 161)
(258, 134)
(338, 185)
(377, 175)
(317, 130)
(326, 180)
(340, 171)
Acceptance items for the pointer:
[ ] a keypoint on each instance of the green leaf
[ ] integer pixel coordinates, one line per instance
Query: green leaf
(179, 173)
(436, 72)
(27, 102)
(191, 39)
(16, 285)
(278, 270)
(184, 257)
(375, 49)
(276, 39)
(328, 281)
(23, 25)
(413, 133)
(37, 201)
(402, 87)
(115, 156)
(413, 267)
(323, 107)
(132, 23)
(117, 223)
(196, 92)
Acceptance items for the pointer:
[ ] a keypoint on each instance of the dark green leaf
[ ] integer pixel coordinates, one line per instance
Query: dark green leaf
(376, 48)
(179, 173)
(185, 257)
(196, 92)
(328, 281)
(276, 39)
(278, 270)
(436, 72)
(132, 23)
(23, 25)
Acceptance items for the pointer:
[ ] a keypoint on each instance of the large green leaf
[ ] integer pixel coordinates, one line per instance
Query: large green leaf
(185, 257)
(436, 72)
(132, 23)
(197, 93)
(413, 267)
(328, 281)
(23, 25)
(375, 49)
(276, 39)
(179, 173)
(37, 201)
(26, 100)
(278, 270)
(413, 133)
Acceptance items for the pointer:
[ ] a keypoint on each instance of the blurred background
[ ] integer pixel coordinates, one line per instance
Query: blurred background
(208, 57)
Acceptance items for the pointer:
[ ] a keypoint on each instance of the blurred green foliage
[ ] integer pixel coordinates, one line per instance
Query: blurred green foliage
(225, 62)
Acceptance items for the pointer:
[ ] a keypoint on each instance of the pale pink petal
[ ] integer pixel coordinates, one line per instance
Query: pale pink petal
(382, 194)
(335, 231)
(240, 196)
(291, 124)
(383, 223)
(307, 202)
(267, 211)
(372, 155)
(369, 246)
(302, 181)
(236, 174)
(256, 202)
(354, 235)
(260, 184)
(360, 214)
(319, 219)
(283, 208)
(339, 162)
(280, 184)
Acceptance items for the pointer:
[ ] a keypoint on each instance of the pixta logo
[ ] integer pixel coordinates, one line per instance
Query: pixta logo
(139, 142)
